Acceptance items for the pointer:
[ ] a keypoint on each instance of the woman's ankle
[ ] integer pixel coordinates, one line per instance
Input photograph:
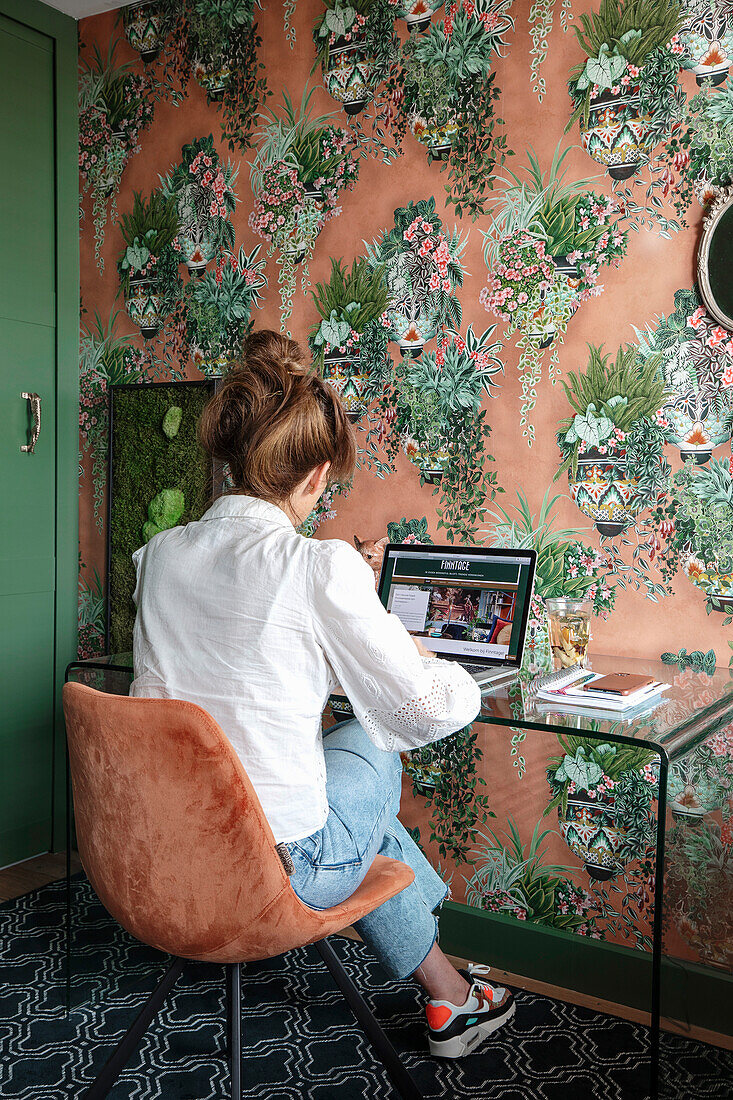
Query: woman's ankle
(441, 980)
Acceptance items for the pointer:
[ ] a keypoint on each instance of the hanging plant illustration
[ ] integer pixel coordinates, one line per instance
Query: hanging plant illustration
(700, 150)
(423, 270)
(360, 58)
(218, 308)
(115, 105)
(612, 443)
(548, 242)
(202, 189)
(541, 20)
(447, 96)
(303, 164)
(216, 42)
(432, 407)
(697, 369)
(349, 343)
(603, 794)
(531, 295)
(696, 522)
(626, 98)
(145, 28)
(148, 262)
(341, 36)
(707, 36)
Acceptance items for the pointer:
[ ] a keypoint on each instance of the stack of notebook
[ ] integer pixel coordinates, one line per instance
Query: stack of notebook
(573, 687)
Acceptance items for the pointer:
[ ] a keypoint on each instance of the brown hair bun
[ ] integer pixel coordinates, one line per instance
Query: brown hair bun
(273, 420)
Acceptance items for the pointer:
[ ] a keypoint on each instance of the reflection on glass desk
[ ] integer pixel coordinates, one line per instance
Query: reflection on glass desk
(562, 776)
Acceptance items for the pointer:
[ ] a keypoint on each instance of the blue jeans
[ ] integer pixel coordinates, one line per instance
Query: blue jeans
(363, 785)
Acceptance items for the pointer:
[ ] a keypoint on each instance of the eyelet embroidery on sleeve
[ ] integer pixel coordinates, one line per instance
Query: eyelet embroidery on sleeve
(428, 717)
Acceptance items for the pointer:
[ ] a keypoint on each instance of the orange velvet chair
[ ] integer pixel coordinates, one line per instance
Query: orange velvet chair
(174, 841)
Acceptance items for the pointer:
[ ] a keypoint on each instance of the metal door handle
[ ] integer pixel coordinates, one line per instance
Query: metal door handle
(35, 403)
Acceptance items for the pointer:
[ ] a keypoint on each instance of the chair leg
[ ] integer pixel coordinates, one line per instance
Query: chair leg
(234, 1027)
(387, 1054)
(131, 1039)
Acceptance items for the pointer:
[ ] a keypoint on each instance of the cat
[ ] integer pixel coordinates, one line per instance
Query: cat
(372, 553)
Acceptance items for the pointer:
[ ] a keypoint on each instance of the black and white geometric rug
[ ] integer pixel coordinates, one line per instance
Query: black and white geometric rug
(301, 1042)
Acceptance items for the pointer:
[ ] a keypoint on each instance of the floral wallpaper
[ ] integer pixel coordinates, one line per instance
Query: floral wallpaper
(481, 218)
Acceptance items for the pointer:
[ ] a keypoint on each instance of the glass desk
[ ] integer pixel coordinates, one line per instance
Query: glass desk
(654, 758)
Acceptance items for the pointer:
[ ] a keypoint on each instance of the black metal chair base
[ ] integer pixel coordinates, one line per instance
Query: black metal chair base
(130, 1041)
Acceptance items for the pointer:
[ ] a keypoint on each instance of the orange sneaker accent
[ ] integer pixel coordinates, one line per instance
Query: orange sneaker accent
(437, 1015)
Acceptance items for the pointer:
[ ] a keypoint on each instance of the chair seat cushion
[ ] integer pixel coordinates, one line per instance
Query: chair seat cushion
(289, 923)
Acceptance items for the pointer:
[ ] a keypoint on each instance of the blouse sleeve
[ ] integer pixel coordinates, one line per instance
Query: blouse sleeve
(402, 700)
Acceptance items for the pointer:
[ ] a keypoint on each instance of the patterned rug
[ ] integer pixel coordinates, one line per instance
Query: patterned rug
(301, 1042)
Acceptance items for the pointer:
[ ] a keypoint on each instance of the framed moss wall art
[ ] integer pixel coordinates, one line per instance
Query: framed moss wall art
(159, 477)
(715, 259)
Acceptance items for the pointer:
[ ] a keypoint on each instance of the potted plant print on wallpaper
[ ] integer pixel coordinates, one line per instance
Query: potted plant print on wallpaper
(700, 150)
(343, 37)
(513, 878)
(603, 794)
(447, 97)
(214, 42)
(697, 369)
(115, 105)
(423, 271)
(696, 522)
(625, 95)
(148, 262)
(566, 567)
(218, 308)
(203, 191)
(145, 28)
(433, 409)
(707, 35)
(612, 443)
(548, 241)
(349, 342)
(303, 164)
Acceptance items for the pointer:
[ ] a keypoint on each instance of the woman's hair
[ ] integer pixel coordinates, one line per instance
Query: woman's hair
(273, 420)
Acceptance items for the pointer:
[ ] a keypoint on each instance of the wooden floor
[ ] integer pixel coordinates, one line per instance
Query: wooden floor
(23, 877)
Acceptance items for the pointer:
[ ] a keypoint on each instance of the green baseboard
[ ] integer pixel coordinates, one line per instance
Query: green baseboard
(696, 995)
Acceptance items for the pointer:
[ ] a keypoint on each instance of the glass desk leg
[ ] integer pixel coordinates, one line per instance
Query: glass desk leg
(655, 1022)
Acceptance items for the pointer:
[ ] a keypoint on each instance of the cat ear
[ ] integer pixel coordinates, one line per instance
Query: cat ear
(357, 543)
(381, 543)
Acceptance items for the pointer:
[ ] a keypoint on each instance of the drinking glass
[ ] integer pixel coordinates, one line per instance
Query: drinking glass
(569, 631)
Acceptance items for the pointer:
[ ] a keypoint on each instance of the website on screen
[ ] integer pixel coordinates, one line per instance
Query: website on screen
(466, 607)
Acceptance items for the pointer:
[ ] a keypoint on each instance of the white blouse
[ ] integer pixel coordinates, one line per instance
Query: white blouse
(239, 613)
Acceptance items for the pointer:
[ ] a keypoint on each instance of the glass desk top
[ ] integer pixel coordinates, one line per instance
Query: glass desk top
(695, 705)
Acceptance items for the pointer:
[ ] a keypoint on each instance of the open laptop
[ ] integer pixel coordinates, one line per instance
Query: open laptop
(468, 604)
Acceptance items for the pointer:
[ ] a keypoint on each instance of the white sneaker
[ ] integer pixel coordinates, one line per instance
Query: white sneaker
(457, 1030)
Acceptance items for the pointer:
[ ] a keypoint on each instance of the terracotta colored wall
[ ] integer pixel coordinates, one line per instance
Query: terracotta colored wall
(642, 287)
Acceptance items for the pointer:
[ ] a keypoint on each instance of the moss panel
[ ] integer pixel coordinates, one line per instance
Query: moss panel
(144, 461)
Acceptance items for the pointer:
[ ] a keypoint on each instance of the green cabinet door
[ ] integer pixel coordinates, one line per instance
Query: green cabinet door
(27, 480)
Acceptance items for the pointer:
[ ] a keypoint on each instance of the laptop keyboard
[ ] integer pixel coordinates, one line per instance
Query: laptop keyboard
(476, 668)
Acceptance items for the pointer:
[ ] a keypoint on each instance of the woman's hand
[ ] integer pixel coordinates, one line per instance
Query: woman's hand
(421, 648)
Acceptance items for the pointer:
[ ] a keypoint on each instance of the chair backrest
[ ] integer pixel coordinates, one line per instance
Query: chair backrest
(170, 830)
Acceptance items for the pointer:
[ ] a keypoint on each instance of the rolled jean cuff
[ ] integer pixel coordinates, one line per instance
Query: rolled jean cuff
(403, 931)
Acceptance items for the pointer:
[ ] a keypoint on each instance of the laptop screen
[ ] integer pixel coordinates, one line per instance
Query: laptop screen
(469, 603)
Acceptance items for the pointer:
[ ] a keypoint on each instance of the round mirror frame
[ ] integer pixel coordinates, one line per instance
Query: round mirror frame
(722, 203)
